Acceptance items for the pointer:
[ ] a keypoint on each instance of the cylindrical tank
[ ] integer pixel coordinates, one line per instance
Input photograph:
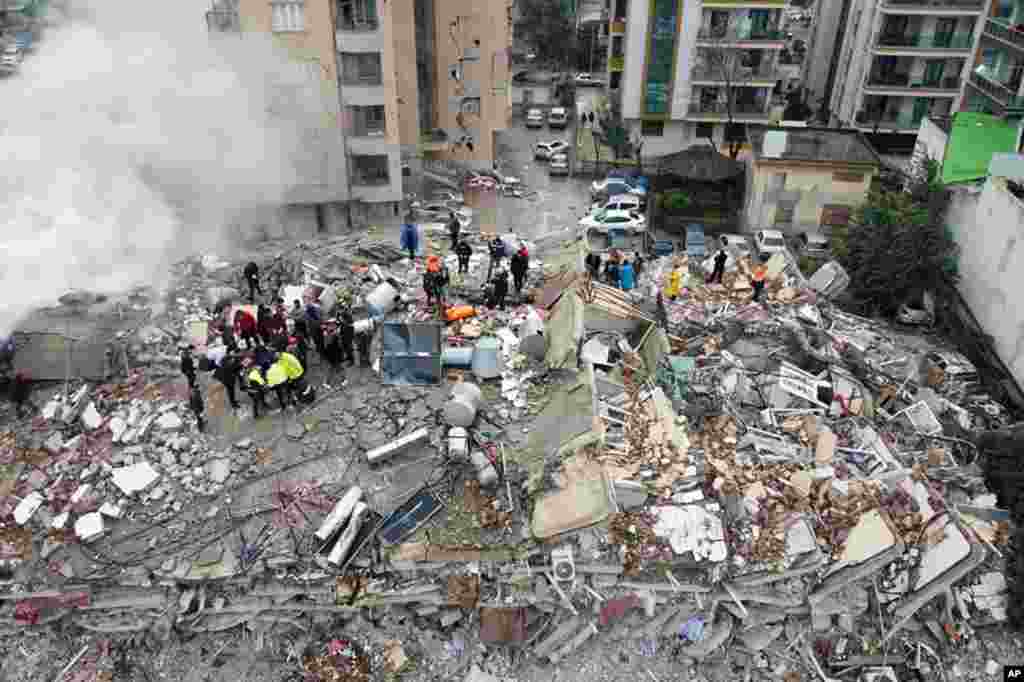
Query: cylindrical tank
(456, 356)
(458, 441)
(486, 474)
(488, 362)
(462, 407)
(382, 300)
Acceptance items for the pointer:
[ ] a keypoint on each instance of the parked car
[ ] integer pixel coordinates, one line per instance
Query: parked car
(604, 220)
(438, 211)
(619, 202)
(448, 197)
(587, 80)
(696, 247)
(768, 242)
(10, 59)
(534, 118)
(609, 185)
(558, 118)
(735, 242)
(559, 165)
(812, 244)
(545, 150)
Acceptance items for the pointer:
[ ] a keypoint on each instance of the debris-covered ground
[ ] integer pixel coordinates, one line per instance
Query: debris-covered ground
(589, 484)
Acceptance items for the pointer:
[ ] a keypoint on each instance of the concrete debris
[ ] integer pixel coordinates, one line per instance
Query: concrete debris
(135, 478)
(27, 508)
(91, 418)
(169, 421)
(90, 526)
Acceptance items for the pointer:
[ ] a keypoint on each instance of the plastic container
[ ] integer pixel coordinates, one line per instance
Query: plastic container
(488, 362)
(460, 312)
(452, 356)
(381, 300)
(461, 408)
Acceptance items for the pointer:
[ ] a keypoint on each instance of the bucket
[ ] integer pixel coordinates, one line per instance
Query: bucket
(453, 356)
(461, 408)
(458, 442)
(381, 300)
(488, 362)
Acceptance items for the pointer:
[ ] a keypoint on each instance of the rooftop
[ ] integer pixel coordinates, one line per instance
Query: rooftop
(973, 140)
(824, 145)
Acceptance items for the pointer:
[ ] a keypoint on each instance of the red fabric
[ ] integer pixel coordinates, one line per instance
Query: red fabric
(245, 323)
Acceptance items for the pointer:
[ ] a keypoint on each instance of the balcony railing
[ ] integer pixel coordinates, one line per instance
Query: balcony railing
(354, 25)
(739, 109)
(904, 81)
(362, 79)
(1005, 32)
(222, 21)
(975, 5)
(996, 86)
(901, 121)
(737, 75)
(927, 41)
(739, 34)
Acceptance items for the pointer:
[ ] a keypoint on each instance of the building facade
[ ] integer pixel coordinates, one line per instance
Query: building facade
(892, 63)
(680, 70)
(996, 82)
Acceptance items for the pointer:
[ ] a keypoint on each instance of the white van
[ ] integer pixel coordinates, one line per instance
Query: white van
(620, 202)
(558, 118)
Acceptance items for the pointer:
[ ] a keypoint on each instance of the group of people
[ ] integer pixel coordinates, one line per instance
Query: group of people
(437, 278)
(618, 271)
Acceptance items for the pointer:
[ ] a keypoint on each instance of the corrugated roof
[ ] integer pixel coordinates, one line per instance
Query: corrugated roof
(973, 139)
(826, 145)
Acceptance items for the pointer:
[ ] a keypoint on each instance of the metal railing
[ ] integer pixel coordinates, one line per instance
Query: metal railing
(736, 34)
(904, 81)
(357, 25)
(744, 109)
(993, 84)
(927, 41)
(1005, 32)
(901, 121)
(938, 4)
(362, 79)
(737, 75)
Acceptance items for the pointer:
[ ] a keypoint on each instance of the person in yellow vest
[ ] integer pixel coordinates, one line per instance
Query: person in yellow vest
(293, 368)
(757, 281)
(255, 386)
(675, 283)
(277, 379)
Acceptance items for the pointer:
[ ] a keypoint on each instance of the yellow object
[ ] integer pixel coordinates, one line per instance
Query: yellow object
(675, 281)
(256, 378)
(276, 375)
(291, 365)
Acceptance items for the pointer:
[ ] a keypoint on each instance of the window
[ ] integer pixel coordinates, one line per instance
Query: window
(357, 15)
(287, 16)
(652, 128)
(361, 68)
(365, 121)
(705, 131)
(835, 215)
(370, 170)
(777, 182)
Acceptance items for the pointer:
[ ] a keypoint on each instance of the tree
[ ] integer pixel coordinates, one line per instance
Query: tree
(726, 65)
(552, 31)
(613, 130)
(897, 246)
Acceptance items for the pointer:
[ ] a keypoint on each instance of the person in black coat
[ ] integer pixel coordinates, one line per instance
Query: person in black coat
(593, 262)
(497, 252)
(252, 278)
(463, 250)
(195, 403)
(346, 337)
(332, 346)
(611, 273)
(454, 228)
(719, 270)
(519, 265)
(500, 290)
(227, 374)
(188, 366)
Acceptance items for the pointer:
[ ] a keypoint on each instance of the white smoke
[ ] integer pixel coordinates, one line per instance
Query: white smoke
(130, 139)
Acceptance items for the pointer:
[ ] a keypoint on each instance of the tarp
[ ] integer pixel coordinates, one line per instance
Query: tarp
(973, 139)
(564, 332)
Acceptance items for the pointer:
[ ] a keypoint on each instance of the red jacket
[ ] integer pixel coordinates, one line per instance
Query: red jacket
(245, 323)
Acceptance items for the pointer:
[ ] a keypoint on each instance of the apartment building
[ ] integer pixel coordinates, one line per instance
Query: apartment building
(681, 69)
(452, 63)
(891, 63)
(994, 84)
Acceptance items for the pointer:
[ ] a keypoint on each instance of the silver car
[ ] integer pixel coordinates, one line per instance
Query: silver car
(559, 165)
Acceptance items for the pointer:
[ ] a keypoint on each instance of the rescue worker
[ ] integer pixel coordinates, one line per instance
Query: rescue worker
(593, 263)
(500, 290)
(227, 374)
(675, 283)
(463, 251)
(757, 281)
(293, 368)
(245, 328)
(611, 272)
(314, 322)
(409, 237)
(720, 258)
(296, 312)
(496, 250)
(346, 337)
(519, 265)
(454, 228)
(252, 278)
(256, 387)
(195, 403)
(627, 278)
(188, 365)
(277, 379)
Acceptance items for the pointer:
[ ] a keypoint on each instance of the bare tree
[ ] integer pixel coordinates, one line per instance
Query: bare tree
(726, 65)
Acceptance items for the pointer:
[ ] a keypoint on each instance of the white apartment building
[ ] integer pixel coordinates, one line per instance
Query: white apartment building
(884, 65)
(995, 84)
(678, 68)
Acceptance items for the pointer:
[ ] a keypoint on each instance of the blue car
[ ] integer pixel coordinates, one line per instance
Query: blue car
(695, 246)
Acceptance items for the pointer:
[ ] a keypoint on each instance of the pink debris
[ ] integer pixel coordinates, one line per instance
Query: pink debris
(615, 609)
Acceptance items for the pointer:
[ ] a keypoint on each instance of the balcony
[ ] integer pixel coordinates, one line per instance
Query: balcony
(945, 7)
(903, 82)
(223, 21)
(356, 16)
(889, 121)
(1001, 90)
(743, 76)
(726, 36)
(719, 111)
(926, 41)
(1005, 32)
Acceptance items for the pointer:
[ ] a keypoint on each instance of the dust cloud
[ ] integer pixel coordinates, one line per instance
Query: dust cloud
(130, 139)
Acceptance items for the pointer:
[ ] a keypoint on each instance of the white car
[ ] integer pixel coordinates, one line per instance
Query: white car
(558, 118)
(559, 165)
(587, 80)
(438, 211)
(606, 220)
(769, 242)
(620, 202)
(545, 150)
(534, 118)
(448, 197)
(10, 58)
(616, 186)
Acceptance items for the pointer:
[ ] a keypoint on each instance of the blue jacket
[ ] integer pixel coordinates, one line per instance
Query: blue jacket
(627, 280)
(410, 238)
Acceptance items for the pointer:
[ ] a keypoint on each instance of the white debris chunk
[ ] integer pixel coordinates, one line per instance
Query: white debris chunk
(60, 520)
(117, 428)
(51, 409)
(169, 421)
(81, 492)
(27, 508)
(89, 526)
(114, 511)
(218, 470)
(135, 478)
(91, 418)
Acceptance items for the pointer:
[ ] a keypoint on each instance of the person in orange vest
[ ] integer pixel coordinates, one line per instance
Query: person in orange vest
(760, 272)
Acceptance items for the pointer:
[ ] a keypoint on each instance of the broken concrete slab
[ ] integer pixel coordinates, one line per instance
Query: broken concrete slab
(583, 503)
(218, 470)
(91, 418)
(169, 421)
(872, 535)
(562, 632)
(27, 508)
(630, 494)
(90, 526)
(135, 478)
